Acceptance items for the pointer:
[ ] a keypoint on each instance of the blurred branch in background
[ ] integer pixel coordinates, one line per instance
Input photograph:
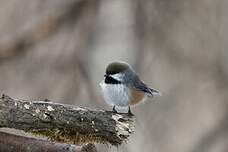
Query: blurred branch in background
(75, 13)
(10, 143)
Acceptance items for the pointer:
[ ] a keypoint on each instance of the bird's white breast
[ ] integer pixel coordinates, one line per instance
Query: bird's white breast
(115, 94)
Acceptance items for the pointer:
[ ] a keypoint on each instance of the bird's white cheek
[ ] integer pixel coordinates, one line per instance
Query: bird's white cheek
(118, 76)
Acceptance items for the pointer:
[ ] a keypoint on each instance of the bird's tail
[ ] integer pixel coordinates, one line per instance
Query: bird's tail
(153, 92)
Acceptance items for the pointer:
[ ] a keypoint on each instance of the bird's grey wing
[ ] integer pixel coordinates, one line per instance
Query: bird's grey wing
(139, 85)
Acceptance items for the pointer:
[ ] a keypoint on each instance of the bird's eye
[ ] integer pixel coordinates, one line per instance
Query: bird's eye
(105, 75)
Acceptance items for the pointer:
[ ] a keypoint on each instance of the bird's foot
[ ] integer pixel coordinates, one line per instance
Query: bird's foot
(114, 109)
(129, 112)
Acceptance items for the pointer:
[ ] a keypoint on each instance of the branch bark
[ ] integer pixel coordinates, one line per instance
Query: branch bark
(65, 123)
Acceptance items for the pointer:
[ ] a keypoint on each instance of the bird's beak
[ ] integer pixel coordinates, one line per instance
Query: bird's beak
(101, 83)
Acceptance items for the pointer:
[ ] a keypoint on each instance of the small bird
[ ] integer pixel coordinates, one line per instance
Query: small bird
(122, 87)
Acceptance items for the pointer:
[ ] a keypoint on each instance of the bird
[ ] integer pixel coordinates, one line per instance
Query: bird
(122, 87)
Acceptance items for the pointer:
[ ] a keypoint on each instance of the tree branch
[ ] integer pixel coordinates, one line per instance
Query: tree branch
(10, 142)
(65, 123)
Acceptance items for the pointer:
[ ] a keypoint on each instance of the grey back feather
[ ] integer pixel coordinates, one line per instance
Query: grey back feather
(132, 80)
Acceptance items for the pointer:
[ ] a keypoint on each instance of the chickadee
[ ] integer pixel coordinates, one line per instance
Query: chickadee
(122, 87)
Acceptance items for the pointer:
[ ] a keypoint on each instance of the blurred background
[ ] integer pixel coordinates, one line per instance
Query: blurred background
(59, 49)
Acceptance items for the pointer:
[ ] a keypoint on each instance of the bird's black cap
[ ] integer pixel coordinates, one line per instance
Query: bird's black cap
(116, 67)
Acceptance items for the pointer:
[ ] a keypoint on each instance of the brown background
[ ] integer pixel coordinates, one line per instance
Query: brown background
(58, 50)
